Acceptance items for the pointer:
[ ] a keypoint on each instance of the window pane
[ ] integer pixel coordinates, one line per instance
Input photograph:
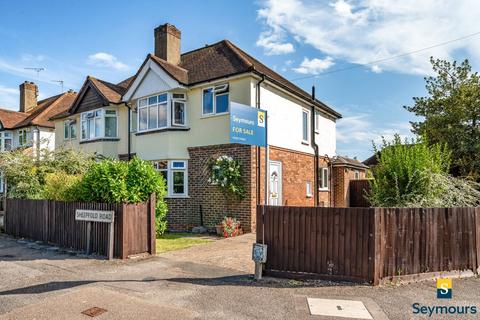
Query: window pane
(179, 96)
(179, 113)
(91, 128)
(152, 100)
(73, 130)
(162, 115)
(222, 103)
(162, 98)
(98, 127)
(66, 128)
(325, 178)
(143, 118)
(99, 113)
(133, 121)
(178, 164)
(110, 127)
(178, 182)
(84, 130)
(152, 117)
(164, 174)
(305, 126)
(142, 103)
(7, 144)
(207, 101)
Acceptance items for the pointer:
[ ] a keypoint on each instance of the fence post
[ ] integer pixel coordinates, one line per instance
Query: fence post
(152, 235)
(477, 239)
(124, 232)
(377, 242)
(259, 222)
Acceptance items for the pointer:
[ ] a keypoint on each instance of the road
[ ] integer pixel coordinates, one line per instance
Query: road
(186, 284)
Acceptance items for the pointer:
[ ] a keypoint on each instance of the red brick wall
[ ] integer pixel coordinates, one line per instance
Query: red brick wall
(342, 176)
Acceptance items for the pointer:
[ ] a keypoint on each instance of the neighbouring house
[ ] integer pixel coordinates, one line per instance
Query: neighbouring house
(31, 127)
(345, 170)
(175, 112)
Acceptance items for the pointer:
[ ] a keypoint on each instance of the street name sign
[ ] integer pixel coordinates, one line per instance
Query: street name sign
(94, 215)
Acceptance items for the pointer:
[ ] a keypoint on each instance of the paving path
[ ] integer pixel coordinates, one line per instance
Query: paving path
(189, 284)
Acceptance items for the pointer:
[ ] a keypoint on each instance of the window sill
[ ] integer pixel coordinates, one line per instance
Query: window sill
(323, 189)
(206, 116)
(309, 196)
(305, 143)
(177, 197)
(140, 133)
(100, 140)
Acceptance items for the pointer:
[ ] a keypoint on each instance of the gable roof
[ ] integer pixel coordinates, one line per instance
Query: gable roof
(40, 115)
(224, 59)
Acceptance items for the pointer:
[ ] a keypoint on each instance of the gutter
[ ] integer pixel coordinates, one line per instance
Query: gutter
(257, 148)
(316, 194)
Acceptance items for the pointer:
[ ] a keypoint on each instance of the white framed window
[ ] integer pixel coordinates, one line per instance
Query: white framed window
(133, 120)
(317, 121)
(70, 129)
(323, 178)
(305, 125)
(1, 183)
(98, 124)
(23, 137)
(179, 109)
(175, 173)
(6, 141)
(154, 112)
(215, 100)
(308, 187)
(356, 174)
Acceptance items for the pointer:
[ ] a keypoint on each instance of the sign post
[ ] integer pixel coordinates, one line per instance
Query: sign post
(248, 125)
(97, 216)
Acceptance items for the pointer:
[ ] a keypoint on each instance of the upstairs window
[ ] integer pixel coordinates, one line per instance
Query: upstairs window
(323, 179)
(98, 124)
(179, 109)
(154, 111)
(6, 139)
(305, 126)
(216, 100)
(69, 129)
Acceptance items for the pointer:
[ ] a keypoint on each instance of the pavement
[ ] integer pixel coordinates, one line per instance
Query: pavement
(210, 281)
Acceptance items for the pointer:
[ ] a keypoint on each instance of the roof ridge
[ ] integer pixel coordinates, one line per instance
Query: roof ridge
(174, 65)
(201, 48)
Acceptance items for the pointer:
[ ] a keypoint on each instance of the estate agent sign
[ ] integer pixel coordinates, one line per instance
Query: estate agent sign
(248, 125)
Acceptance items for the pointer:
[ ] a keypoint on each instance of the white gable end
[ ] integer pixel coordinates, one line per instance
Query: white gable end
(151, 80)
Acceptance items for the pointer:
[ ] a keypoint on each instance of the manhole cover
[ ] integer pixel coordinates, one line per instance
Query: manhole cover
(338, 308)
(93, 312)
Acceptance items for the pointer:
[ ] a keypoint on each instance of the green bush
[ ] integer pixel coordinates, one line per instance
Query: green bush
(115, 181)
(61, 186)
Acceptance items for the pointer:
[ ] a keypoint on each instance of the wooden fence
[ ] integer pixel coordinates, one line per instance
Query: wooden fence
(54, 222)
(357, 191)
(368, 244)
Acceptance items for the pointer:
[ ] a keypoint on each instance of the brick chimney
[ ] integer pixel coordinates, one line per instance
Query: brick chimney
(28, 96)
(167, 43)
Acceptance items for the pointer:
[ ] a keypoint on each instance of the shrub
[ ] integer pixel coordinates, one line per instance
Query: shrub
(415, 174)
(61, 186)
(230, 227)
(115, 181)
(227, 174)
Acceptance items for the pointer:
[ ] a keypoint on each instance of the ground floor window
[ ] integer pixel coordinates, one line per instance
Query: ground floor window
(323, 179)
(176, 176)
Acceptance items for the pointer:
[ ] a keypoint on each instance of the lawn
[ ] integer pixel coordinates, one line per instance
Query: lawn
(177, 241)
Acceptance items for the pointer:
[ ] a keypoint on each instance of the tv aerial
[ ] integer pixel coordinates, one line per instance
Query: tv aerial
(37, 70)
(60, 82)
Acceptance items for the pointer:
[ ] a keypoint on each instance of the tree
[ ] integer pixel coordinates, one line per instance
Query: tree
(450, 114)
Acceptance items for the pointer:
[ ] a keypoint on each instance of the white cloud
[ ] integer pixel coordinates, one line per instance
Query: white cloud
(106, 60)
(362, 31)
(376, 69)
(8, 98)
(272, 43)
(314, 66)
(360, 129)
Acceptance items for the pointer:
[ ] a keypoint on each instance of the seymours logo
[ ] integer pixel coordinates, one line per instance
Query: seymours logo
(444, 288)
(444, 291)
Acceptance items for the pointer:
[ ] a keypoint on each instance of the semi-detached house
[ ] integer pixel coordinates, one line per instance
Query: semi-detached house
(175, 112)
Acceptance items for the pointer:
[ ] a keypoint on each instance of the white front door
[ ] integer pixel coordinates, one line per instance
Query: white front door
(275, 187)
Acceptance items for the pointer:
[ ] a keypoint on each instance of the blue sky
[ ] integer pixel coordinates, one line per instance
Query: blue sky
(110, 39)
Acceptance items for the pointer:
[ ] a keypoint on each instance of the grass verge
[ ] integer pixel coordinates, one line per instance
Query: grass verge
(177, 241)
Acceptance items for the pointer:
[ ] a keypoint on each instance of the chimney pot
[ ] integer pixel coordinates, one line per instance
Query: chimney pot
(167, 43)
(28, 96)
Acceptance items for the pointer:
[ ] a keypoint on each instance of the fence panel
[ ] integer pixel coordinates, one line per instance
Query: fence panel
(54, 222)
(368, 244)
(358, 189)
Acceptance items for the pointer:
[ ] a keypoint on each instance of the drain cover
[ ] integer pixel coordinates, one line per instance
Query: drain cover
(338, 308)
(93, 312)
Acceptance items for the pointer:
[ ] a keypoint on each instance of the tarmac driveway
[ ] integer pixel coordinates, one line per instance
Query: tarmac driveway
(43, 284)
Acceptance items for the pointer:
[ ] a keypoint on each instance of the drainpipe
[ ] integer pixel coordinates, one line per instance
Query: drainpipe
(331, 190)
(129, 120)
(257, 148)
(316, 194)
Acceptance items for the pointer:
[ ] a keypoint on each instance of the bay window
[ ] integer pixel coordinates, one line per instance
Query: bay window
(161, 111)
(175, 175)
(215, 100)
(98, 124)
(6, 139)
(69, 129)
